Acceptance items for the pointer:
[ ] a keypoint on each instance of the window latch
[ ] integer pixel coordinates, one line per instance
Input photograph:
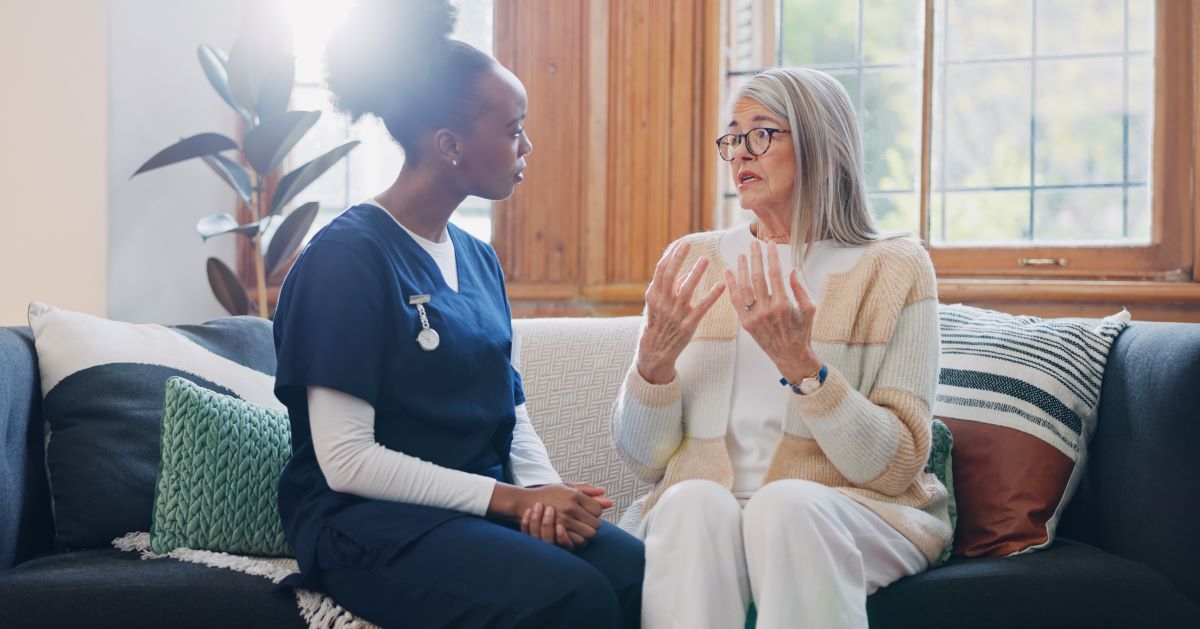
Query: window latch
(1042, 261)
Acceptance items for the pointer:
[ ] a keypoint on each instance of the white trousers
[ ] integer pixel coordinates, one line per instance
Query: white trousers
(806, 555)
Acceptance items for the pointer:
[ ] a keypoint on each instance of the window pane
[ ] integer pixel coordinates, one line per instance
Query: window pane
(1080, 26)
(981, 124)
(1141, 25)
(1092, 123)
(818, 32)
(980, 217)
(1139, 214)
(896, 212)
(474, 216)
(1088, 214)
(1141, 116)
(892, 31)
(984, 29)
(1079, 121)
(891, 123)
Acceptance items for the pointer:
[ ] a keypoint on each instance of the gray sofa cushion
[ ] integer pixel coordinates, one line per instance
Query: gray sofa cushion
(110, 588)
(1068, 585)
(26, 528)
(1137, 497)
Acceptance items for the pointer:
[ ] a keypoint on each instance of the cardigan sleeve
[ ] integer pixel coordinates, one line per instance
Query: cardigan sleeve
(647, 424)
(879, 439)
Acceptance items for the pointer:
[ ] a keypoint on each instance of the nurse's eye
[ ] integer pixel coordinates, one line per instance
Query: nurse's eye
(519, 132)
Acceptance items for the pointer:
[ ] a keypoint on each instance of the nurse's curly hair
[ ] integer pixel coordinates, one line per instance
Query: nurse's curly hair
(395, 59)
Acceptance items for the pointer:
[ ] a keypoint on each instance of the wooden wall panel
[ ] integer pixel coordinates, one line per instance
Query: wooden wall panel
(659, 70)
(537, 230)
(622, 97)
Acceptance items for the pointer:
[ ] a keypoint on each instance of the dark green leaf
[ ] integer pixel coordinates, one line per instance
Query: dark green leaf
(232, 173)
(290, 235)
(224, 223)
(296, 181)
(227, 288)
(276, 89)
(213, 62)
(270, 141)
(188, 148)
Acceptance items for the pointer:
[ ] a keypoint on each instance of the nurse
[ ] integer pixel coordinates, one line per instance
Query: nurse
(418, 494)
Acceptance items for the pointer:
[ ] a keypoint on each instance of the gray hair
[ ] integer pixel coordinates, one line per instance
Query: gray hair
(830, 195)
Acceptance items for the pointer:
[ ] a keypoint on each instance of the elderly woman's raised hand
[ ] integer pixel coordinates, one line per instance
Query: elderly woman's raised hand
(783, 330)
(671, 318)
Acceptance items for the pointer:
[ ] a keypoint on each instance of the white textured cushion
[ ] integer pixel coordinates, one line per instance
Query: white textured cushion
(572, 371)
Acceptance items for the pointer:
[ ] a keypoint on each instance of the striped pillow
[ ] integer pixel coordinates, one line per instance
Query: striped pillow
(102, 397)
(1020, 395)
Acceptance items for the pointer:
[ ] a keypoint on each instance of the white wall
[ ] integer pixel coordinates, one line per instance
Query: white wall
(159, 94)
(93, 88)
(53, 156)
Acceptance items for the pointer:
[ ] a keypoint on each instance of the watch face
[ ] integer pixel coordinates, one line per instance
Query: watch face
(808, 385)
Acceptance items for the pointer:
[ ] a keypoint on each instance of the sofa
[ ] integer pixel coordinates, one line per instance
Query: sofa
(1127, 555)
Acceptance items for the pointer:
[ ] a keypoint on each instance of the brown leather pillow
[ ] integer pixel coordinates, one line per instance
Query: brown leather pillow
(1007, 485)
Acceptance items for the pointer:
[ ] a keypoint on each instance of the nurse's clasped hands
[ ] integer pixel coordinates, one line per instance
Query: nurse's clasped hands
(541, 521)
(566, 515)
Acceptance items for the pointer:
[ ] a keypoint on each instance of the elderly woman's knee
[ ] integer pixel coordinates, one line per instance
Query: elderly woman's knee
(698, 498)
(790, 504)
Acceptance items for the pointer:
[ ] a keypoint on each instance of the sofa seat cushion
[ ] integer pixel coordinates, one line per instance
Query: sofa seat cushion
(111, 588)
(1067, 585)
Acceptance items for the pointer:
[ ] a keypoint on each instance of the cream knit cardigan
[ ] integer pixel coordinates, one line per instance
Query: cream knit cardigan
(865, 432)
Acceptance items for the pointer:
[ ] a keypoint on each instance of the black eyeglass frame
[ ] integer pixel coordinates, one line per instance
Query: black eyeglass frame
(743, 138)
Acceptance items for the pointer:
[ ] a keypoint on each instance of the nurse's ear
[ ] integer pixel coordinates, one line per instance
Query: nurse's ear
(448, 146)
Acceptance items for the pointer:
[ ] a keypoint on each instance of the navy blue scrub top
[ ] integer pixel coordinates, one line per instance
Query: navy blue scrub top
(344, 321)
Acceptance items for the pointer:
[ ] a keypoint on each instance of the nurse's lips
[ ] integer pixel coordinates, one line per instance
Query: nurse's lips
(520, 176)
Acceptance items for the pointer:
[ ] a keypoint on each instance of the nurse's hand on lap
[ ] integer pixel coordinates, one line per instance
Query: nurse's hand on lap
(576, 511)
(596, 492)
(540, 521)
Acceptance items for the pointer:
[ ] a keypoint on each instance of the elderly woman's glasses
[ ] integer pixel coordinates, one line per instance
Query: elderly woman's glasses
(757, 140)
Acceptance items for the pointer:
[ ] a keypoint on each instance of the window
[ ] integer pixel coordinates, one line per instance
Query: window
(373, 165)
(1017, 137)
(1041, 121)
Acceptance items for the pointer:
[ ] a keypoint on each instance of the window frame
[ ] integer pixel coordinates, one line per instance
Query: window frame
(1171, 254)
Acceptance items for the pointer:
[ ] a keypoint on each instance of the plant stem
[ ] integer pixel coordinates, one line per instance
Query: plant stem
(260, 271)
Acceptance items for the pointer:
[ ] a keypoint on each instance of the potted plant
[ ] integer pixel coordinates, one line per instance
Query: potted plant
(256, 81)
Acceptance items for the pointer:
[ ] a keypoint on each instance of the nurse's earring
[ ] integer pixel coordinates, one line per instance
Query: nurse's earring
(454, 163)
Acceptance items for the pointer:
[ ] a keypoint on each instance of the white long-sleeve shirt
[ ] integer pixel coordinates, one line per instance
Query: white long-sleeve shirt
(759, 402)
(343, 433)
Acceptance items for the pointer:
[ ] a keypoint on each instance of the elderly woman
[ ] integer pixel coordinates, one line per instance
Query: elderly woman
(807, 497)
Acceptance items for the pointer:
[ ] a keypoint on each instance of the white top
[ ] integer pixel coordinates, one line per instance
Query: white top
(759, 402)
(441, 251)
(343, 433)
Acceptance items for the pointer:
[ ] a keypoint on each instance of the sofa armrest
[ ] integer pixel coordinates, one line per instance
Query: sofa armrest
(1137, 498)
(26, 527)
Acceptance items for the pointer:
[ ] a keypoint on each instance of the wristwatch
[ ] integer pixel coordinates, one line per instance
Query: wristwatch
(809, 385)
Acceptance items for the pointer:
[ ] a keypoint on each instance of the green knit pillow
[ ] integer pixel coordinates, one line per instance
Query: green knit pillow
(221, 461)
(940, 464)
